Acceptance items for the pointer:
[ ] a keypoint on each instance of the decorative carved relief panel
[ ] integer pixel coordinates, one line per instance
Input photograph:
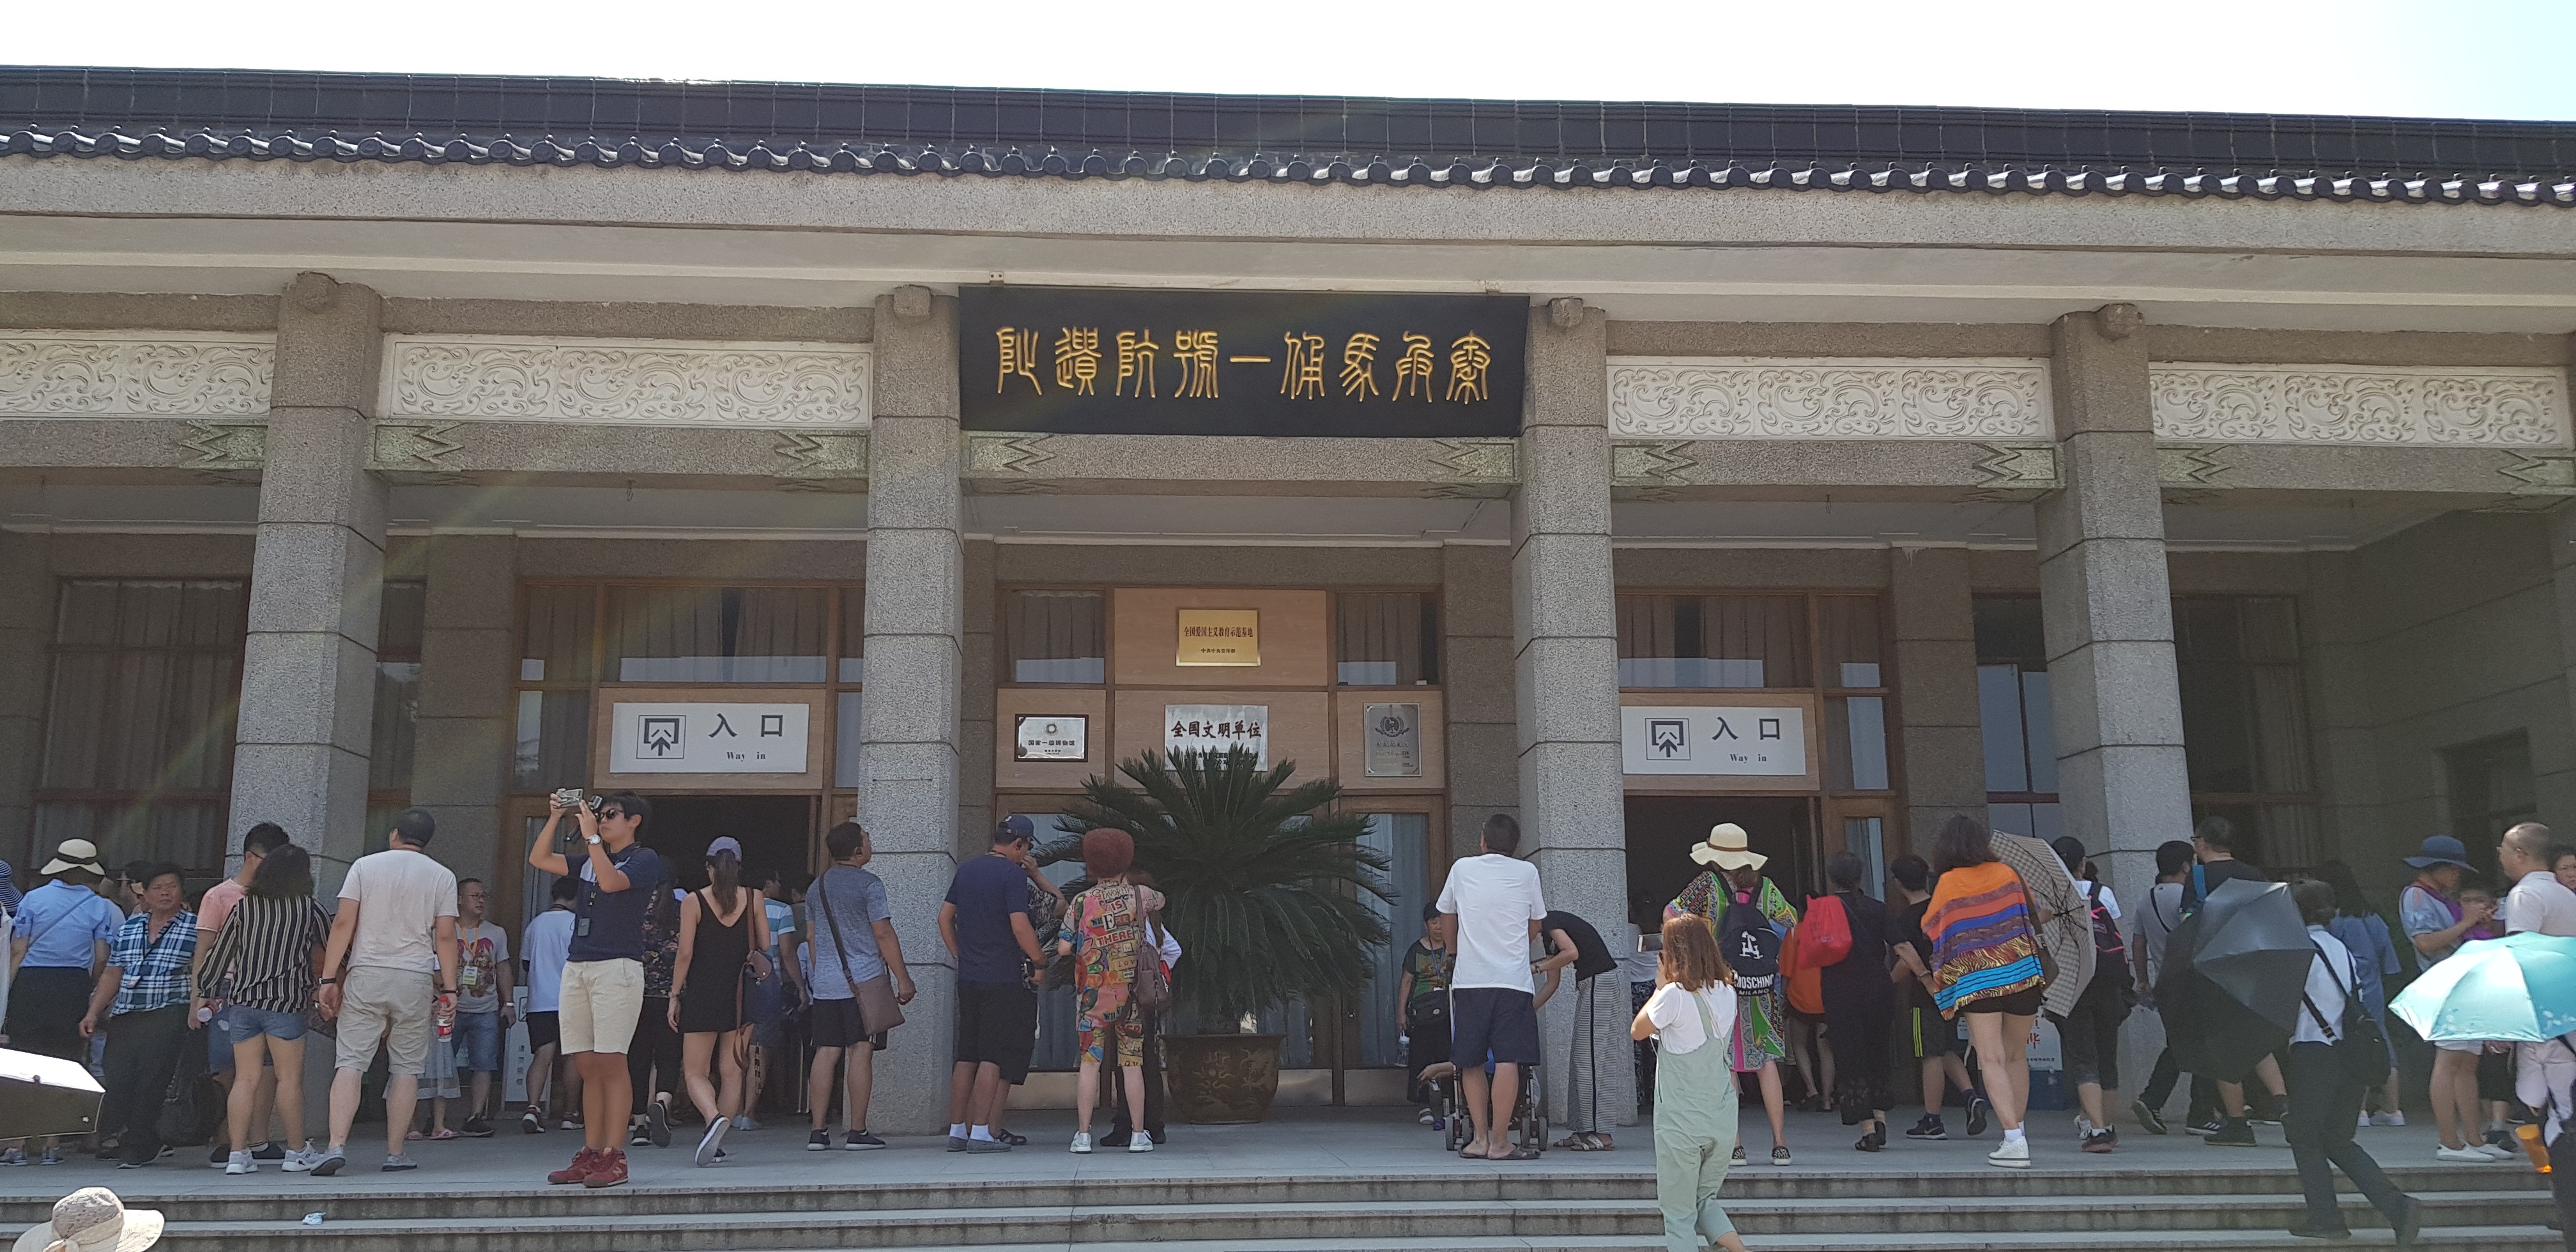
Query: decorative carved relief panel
(2421, 405)
(1828, 398)
(48, 373)
(627, 382)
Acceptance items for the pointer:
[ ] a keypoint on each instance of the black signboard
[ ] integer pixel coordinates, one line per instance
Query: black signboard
(1075, 360)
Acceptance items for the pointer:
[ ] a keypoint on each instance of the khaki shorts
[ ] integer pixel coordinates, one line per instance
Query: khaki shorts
(387, 1006)
(601, 1000)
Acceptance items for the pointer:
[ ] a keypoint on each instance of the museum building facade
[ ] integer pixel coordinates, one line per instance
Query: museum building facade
(794, 453)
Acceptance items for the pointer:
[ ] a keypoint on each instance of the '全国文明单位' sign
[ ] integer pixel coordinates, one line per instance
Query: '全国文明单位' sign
(1076, 360)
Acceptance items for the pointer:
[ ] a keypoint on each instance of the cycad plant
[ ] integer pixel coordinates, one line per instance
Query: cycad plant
(1261, 881)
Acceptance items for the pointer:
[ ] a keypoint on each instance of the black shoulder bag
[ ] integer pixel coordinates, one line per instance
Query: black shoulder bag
(2361, 1051)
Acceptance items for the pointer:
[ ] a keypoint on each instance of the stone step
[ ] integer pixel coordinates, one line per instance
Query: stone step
(2457, 1239)
(2148, 1224)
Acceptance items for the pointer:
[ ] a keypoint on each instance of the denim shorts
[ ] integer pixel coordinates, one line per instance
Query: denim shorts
(242, 1023)
(478, 1043)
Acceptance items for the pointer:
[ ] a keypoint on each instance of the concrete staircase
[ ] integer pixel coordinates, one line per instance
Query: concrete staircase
(2498, 1209)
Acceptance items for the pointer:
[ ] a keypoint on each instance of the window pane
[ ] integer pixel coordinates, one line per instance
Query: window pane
(1712, 641)
(2271, 628)
(2008, 629)
(845, 740)
(1056, 636)
(399, 623)
(2206, 629)
(1404, 839)
(717, 635)
(1856, 738)
(2040, 726)
(140, 716)
(1387, 639)
(1999, 716)
(553, 743)
(555, 639)
(1865, 837)
(1849, 626)
(854, 635)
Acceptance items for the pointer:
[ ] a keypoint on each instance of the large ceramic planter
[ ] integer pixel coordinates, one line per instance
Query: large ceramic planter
(1219, 1080)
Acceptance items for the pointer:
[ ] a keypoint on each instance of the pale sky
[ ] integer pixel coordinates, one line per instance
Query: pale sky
(2446, 58)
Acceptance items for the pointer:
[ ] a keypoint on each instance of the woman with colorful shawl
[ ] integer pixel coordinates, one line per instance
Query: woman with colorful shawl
(1985, 963)
(1735, 875)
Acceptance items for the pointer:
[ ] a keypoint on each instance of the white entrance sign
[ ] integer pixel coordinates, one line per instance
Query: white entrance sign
(1049, 737)
(708, 738)
(1216, 727)
(1755, 740)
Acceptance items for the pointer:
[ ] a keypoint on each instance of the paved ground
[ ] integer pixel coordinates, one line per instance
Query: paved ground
(1371, 1142)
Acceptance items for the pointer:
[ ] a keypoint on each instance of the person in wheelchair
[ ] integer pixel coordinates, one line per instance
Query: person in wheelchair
(1422, 1004)
(1527, 1127)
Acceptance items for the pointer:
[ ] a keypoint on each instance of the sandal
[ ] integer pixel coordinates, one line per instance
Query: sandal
(442, 1136)
(411, 1136)
(1516, 1154)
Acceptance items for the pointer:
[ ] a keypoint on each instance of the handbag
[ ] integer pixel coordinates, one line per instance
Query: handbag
(1151, 987)
(879, 1011)
(193, 1105)
(2360, 1050)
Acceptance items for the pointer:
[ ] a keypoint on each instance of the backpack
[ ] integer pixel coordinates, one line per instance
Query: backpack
(2360, 1047)
(2110, 951)
(1824, 934)
(1751, 947)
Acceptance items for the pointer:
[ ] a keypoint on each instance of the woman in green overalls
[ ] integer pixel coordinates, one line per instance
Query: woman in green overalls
(1691, 1016)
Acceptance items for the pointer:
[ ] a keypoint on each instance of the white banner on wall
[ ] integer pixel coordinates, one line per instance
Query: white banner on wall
(708, 738)
(1753, 740)
(1216, 727)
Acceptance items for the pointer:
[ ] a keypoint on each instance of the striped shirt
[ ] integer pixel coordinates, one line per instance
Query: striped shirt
(156, 970)
(263, 958)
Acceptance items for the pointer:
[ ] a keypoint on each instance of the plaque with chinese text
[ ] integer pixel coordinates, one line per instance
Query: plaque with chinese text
(708, 738)
(1760, 741)
(1394, 741)
(1217, 727)
(1049, 737)
(1219, 637)
(1080, 360)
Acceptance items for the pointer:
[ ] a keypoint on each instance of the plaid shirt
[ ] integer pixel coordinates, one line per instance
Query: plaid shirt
(156, 974)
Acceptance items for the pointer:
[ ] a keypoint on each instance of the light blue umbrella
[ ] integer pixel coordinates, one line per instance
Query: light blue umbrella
(2521, 988)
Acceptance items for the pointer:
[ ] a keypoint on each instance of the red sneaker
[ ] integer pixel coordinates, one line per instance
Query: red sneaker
(608, 1169)
(583, 1162)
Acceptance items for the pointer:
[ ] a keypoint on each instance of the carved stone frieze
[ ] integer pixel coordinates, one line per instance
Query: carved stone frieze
(2191, 465)
(414, 446)
(1650, 464)
(226, 447)
(2418, 405)
(626, 382)
(47, 373)
(822, 460)
(1005, 456)
(2016, 471)
(1474, 469)
(1828, 398)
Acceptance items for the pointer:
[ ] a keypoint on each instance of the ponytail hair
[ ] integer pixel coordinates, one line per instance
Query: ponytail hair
(724, 873)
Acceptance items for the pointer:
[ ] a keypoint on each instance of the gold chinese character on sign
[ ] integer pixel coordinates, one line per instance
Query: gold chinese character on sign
(1470, 359)
(1196, 351)
(1136, 349)
(1302, 378)
(1019, 356)
(1359, 366)
(1413, 369)
(1077, 360)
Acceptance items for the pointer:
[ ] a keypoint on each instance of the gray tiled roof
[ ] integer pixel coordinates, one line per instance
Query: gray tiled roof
(1475, 144)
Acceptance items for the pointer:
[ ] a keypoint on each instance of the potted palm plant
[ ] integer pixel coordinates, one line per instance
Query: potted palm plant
(1261, 882)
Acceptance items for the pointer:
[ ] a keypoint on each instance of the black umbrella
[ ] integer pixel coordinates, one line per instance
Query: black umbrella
(2234, 972)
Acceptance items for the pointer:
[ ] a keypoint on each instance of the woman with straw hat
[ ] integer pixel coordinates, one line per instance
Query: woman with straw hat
(92, 1219)
(1734, 881)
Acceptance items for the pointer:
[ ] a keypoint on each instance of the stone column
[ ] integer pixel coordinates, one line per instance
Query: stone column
(1935, 633)
(2108, 605)
(309, 662)
(26, 626)
(2334, 644)
(1565, 639)
(975, 724)
(1478, 690)
(908, 724)
(462, 738)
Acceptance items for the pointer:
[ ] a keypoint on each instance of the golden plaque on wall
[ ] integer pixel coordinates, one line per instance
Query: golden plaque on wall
(1219, 637)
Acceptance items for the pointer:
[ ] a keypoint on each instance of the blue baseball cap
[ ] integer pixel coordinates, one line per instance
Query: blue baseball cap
(725, 843)
(1015, 828)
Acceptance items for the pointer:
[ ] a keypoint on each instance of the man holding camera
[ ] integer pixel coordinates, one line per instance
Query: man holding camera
(603, 973)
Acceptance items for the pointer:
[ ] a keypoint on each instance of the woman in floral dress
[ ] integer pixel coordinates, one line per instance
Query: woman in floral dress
(1735, 874)
(1105, 928)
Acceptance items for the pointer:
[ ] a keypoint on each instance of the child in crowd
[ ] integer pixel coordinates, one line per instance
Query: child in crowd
(1692, 1017)
(2474, 898)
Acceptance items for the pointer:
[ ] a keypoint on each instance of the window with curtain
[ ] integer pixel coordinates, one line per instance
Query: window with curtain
(1405, 840)
(552, 745)
(1712, 642)
(718, 634)
(2013, 710)
(139, 723)
(1056, 636)
(2488, 788)
(1387, 639)
(2245, 723)
(1847, 629)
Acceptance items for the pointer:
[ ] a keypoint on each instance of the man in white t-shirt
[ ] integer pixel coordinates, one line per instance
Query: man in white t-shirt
(544, 943)
(395, 937)
(2538, 901)
(1494, 902)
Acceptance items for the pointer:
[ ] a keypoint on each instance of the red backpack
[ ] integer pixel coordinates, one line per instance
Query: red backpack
(1824, 934)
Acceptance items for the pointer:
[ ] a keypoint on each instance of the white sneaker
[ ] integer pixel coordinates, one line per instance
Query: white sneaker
(713, 1142)
(1140, 1142)
(1427, 1117)
(745, 1123)
(302, 1161)
(2012, 1154)
(2363, 1124)
(2497, 1151)
(240, 1163)
(1082, 1143)
(2083, 1127)
(2462, 1156)
(2388, 1119)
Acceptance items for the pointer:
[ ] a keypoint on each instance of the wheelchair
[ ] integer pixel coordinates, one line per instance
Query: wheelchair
(1529, 1119)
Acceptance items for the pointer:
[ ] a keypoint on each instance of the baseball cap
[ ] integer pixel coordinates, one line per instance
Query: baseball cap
(725, 843)
(1014, 828)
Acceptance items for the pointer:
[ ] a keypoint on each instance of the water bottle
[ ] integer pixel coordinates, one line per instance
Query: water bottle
(445, 1015)
(2532, 1146)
